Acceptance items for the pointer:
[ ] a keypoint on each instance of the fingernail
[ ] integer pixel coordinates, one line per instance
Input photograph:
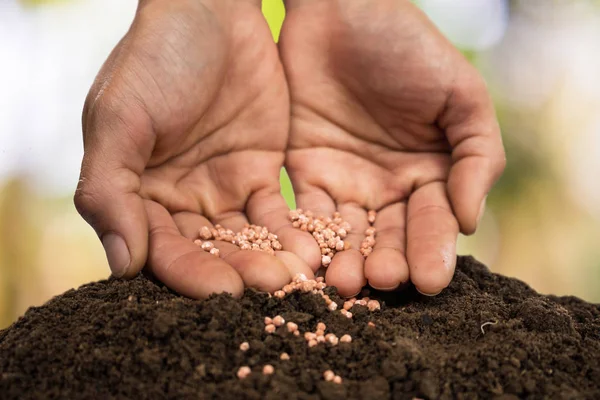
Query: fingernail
(481, 210)
(429, 294)
(117, 254)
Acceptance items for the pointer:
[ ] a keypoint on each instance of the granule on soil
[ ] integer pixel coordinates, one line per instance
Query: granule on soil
(137, 339)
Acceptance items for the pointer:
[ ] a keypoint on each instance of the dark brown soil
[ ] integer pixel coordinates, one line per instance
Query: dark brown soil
(136, 339)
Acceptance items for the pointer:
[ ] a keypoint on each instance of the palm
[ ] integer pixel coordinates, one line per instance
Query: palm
(369, 105)
(221, 120)
(209, 138)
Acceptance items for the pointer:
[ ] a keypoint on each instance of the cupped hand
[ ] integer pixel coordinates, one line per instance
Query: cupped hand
(387, 115)
(184, 127)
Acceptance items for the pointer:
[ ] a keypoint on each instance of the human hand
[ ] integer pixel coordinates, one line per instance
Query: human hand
(387, 115)
(184, 127)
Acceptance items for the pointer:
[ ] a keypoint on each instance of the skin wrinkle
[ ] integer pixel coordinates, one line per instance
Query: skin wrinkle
(438, 144)
(178, 33)
(354, 135)
(156, 191)
(352, 151)
(103, 79)
(353, 84)
(225, 216)
(131, 182)
(200, 143)
(271, 145)
(117, 124)
(400, 229)
(467, 137)
(111, 105)
(261, 217)
(315, 182)
(390, 100)
(215, 155)
(399, 250)
(194, 127)
(397, 171)
(318, 178)
(457, 156)
(101, 180)
(320, 188)
(415, 185)
(424, 212)
(194, 124)
(161, 229)
(217, 179)
(181, 256)
(137, 71)
(121, 56)
(448, 121)
(434, 115)
(352, 138)
(352, 142)
(195, 149)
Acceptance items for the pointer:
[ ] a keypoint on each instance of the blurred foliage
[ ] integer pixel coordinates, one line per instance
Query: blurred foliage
(274, 12)
(17, 236)
(523, 165)
(286, 189)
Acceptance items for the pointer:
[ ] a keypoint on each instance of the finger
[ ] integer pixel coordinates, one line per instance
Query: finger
(346, 272)
(386, 267)
(477, 151)
(315, 200)
(431, 231)
(356, 216)
(183, 266)
(295, 264)
(233, 220)
(190, 223)
(258, 269)
(268, 208)
(115, 154)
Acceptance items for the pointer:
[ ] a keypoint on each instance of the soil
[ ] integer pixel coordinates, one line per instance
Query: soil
(137, 339)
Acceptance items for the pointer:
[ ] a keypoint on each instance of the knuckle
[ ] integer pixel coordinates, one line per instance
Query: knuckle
(105, 105)
(100, 98)
(499, 164)
(85, 199)
(113, 100)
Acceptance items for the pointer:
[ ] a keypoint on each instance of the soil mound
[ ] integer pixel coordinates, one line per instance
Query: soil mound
(486, 336)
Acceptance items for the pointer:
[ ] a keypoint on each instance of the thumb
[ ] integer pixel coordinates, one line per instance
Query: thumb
(107, 194)
(478, 157)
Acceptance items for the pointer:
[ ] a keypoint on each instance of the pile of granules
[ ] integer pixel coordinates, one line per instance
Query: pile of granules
(328, 232)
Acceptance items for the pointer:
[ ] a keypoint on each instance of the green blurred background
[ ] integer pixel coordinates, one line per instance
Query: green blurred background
(540, 58)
